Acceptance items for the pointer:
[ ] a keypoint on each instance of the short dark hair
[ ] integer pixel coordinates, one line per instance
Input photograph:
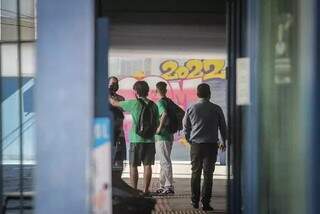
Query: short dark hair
(203, 91)
(142, 88)
(162, 87)
(113, 78)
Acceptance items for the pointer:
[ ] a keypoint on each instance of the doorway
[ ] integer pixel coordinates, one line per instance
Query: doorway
(172, 46)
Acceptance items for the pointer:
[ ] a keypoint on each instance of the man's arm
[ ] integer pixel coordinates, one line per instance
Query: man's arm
(120, 98)
(222, 127)
(114, 102)
(158, 114)
(187, 126)
(126, 106)
(161, 123)
(162, 114)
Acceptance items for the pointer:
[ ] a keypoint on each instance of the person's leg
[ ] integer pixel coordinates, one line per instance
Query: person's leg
(118, 163)
(209, 160)
(148, 155)
(117, 169)
(123, 154)
(168, 164)
(134, 176)
(147, 175)
(164, 150)
(196, 168)
(160, 152)
(134, 161)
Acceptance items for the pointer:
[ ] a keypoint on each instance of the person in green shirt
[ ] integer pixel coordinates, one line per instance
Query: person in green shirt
(141, 149)
(164, 142)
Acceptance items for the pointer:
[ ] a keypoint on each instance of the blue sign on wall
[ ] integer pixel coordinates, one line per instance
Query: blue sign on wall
(102, 131)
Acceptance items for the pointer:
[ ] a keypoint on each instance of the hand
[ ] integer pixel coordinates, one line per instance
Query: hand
(222, 146)
(184, 141)
(158, 130)
(113, 102)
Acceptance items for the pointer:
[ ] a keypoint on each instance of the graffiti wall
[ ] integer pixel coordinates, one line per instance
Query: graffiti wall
(182, 77)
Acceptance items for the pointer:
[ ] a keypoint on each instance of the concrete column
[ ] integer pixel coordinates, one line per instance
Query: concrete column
(64, 105)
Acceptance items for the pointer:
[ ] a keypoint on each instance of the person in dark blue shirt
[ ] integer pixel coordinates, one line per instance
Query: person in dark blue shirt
(201, 123)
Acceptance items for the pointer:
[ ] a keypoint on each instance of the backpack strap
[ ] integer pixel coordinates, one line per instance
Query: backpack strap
(167, 101)
(141, 101)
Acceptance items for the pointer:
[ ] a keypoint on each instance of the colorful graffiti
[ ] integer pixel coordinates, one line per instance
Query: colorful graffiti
(181, 92)
(182, 81)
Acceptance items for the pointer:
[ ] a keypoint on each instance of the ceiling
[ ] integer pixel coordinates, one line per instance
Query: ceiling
(105, 7)
(166, 27)
(173, 39)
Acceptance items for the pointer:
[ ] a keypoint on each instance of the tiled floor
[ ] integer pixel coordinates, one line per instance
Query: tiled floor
(180, 202)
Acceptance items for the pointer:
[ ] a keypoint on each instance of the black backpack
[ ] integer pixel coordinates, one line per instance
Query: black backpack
(174, 118)
(148, 121)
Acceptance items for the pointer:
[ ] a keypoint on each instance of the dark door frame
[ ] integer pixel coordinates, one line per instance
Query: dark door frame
(235, 10)
(315, 146)
(236, 43)
(1, 159)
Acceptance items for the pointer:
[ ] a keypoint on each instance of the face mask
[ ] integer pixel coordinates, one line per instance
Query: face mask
(114, 87)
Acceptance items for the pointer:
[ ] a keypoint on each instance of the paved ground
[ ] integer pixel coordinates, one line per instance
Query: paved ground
(180, 202)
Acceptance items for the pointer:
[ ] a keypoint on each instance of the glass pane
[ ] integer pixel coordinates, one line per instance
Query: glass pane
(28, 119)
(9, 60)
(9, 30)
(28, 133)
(10, 117)
(281, 143)
(27, 14)
(28, 59)
(12, 127)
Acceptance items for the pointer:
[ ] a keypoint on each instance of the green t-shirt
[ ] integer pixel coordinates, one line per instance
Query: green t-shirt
(134, 107)
(164, 135)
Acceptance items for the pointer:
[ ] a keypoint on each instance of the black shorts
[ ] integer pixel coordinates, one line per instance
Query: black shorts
(142, 152)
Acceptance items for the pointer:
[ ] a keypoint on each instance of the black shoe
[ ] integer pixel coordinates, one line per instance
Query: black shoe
(207, 207)
(147, 194)
(195, 205)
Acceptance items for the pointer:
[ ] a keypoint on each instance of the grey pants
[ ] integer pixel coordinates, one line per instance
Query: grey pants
(163, 148)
